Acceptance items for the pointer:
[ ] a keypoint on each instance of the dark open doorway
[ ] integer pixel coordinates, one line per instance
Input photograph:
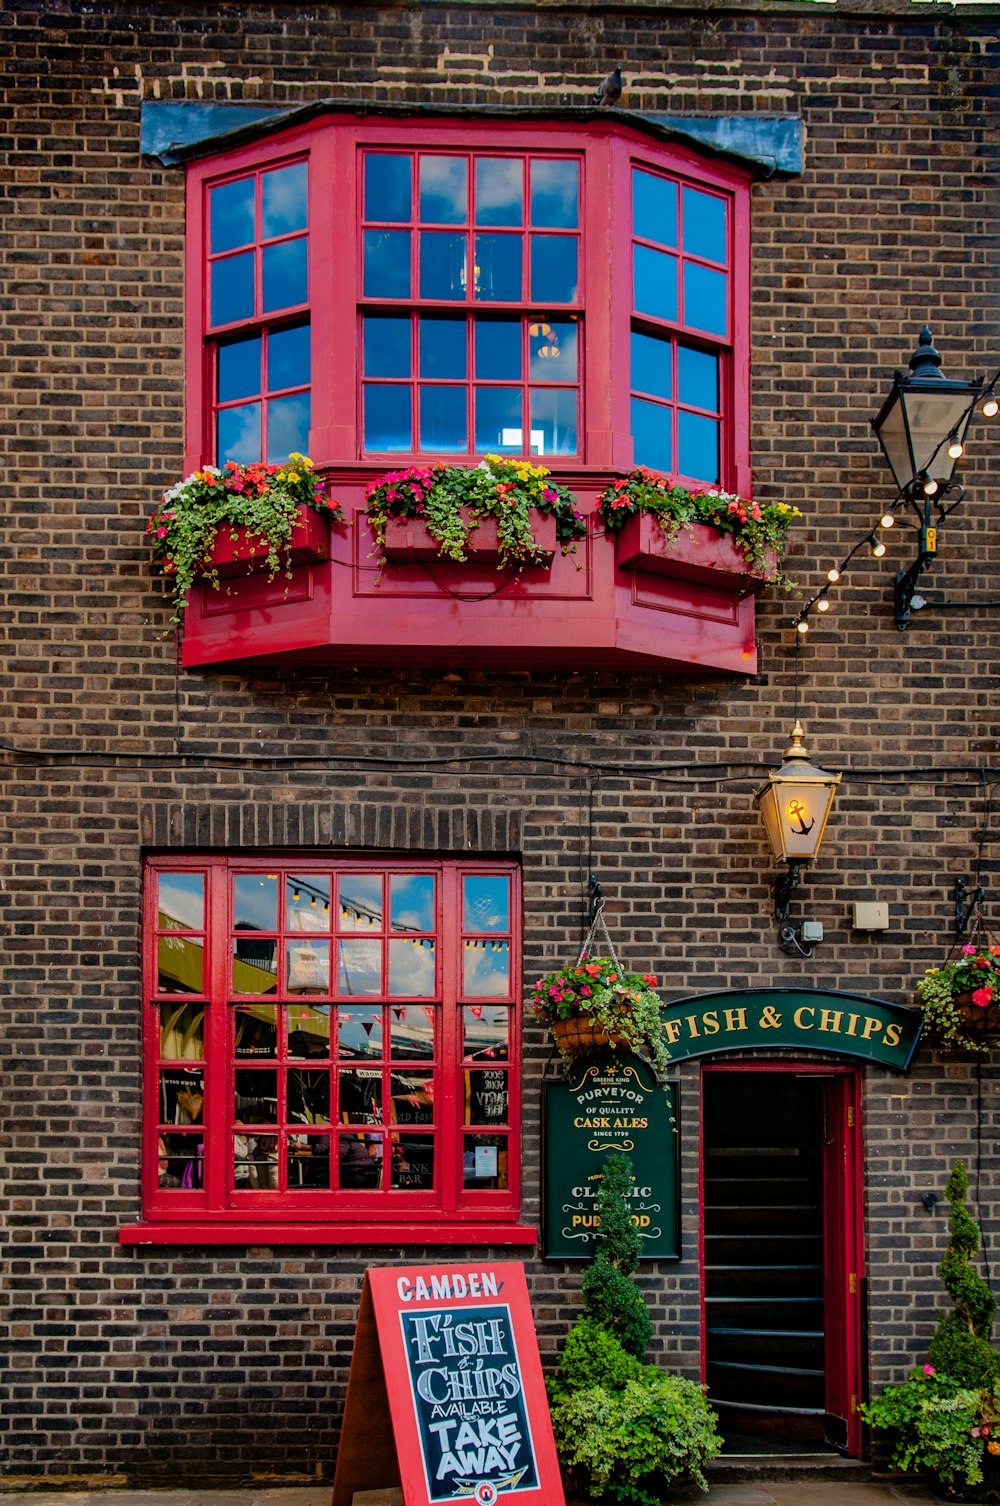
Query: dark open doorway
(781, 1254)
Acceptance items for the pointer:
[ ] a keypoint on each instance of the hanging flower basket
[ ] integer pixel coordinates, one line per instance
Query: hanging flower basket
(578, 1036)
(960, 1000)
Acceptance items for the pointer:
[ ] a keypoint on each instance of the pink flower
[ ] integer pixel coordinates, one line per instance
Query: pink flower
(968, 951)
(928, 1369)
(585, 992)
(548, 495)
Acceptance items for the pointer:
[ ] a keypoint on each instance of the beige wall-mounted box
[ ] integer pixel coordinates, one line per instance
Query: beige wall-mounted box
(871, 915)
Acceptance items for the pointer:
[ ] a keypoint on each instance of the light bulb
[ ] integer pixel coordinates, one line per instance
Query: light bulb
(878, 549)
(886, 520)
(823, 605)
(991, 407)
(930, 487)
(833, 576)
(802, 625)
(956, 450)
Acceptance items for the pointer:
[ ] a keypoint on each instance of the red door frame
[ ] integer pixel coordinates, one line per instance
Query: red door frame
(843, 1235)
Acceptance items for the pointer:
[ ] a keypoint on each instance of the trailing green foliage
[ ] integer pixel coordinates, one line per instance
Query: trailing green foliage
(608, 1293)
(938, 1425)
(961, 1345)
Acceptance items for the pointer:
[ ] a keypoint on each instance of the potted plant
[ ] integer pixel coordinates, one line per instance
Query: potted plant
(596, 1005)
(240, 518)
(961, 999)
(695, 535)
(502, 510)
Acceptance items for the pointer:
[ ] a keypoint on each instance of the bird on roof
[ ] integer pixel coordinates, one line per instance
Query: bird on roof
(609, 91)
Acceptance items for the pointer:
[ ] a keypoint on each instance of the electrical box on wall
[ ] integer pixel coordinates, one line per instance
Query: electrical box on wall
(870, 915)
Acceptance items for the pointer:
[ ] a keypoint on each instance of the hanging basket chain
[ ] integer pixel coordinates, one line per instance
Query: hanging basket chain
(598, 928)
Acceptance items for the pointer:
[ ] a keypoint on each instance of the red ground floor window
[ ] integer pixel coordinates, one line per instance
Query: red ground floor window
(331, 1040)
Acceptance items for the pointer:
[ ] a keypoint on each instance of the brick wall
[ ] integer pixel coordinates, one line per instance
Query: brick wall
(218, 1365)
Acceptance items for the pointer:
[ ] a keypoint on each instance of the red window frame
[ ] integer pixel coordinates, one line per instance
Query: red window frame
(205, 1093)
(607, 150)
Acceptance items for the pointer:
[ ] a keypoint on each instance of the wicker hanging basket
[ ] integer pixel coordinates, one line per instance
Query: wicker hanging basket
(579, 1037)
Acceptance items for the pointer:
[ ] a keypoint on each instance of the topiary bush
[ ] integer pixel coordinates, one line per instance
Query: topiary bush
(961, 1344)
(609, 1294)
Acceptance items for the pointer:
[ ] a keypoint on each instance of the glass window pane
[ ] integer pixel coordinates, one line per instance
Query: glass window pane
(307, 902)
(412, 1159)
(359, 1030)
(361, 1095)
(498, 350)
(704, 298)
(486, 902)
(444, 190)
(256, 1096)
(412, 1097)
(308, 965)
(285, 275)
(255, 902)
(484, 1162)
(486, 968)
(308, 1097)
(387, 263)
(360, 970)
(237, 434)
(498, 268)
(181, 965)
(411, 1032)
(553, 268)
(284, 206)
(180, 1161)
(231, 215)
(288, 420)
(387, 347)
(388, 418)
(552, 347)
(651, 365)
(232, 289)
(239, 369)
(553, 421)
(182, 1031)
(486, 1031)
(499, 425)
(255, 965)
(180, 901)
(182, 1095)
(411, 903)
(651, 435)
(442, 349)
(499, 191)
(411, 967)
(359, 1161)
(654, 208)
(704, 224)
(698, 446)
(443, 419)
(655, 282)
(308, 1028)
(387, 187)
(360, 902)
(255, 1162)
(288, 363)
(442, 264)
(555, 194)
(256, 1030)
(308, 1162)
(486, 1096)
(697, 378)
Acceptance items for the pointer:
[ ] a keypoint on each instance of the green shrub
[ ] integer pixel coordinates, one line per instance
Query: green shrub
(937, 1424)
(609, 1294)
(961, 1346)
(593, 1357)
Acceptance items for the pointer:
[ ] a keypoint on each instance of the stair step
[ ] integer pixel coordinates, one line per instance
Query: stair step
(753, 1369)
(764, 1281)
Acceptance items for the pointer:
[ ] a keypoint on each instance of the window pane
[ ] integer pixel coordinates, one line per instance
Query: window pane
(388, 419)
(442, 264)
(387, 263)
(308, 1097)
(651, 435)
(442, 349)
(361, 1095)
(486, 968)
(307, 902)
(552, 347)
(499, 191)
(255, 965)
(308, 1030)
(499, 425)
(256, 1095)
(387, 187)
(655, 282)
(486, 1096)
(359, 1030)
(256, 1030)
(697, 378)
(484, 1162)
(181, 965)
(387, 347)
(232, 289)
(360, 969)
(485, 902)
(654, 208)
(255, 902)
(182, 1095)
(698, 446)
(180, 1161)
(360, 1161)
(444, 190)
(237, 435)
(486, 1031)
(180, 901)
(555, 194)
(255, 1162)
(285, 275)
(288, 363)
(553, 421)
(239, 369)
(182, 1031)
(411, 1032)
(284, 200)
(412, 1097)
(288, 420)
(553, 268)
(411, 968)
(308, 1161)
(412, 1158)
(498, 350)
(704, 224)
(651, 365)
(231, 215)
(443, 419)
(704, 298)
(498, 268)
(308, 965)
(360, 902)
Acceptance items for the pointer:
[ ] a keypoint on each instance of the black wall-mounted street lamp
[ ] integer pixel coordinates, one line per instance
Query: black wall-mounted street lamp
(922, 428)
(795, 802)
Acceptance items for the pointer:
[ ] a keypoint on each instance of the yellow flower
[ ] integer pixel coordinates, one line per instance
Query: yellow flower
(292, 476)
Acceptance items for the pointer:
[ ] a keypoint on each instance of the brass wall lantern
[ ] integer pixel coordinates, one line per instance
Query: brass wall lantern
(795, 802)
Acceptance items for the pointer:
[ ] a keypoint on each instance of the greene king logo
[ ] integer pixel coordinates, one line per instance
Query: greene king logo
(485, 1494)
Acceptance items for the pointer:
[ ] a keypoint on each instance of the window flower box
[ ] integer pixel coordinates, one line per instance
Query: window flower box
(408, 541)
(694, 551)
(240, 551)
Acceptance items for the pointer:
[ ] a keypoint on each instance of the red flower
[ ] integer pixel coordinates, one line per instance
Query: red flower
(982, 996)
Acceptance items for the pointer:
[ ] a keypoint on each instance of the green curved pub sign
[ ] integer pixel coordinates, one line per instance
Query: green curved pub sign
(802, 1019)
